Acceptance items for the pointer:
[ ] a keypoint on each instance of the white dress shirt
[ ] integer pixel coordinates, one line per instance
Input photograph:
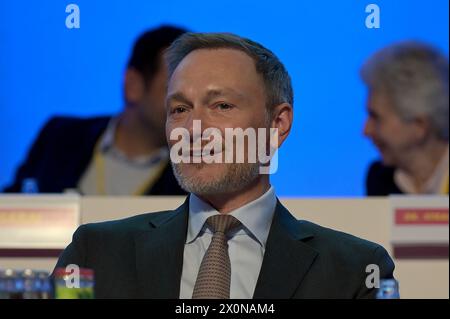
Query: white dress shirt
(246, 245)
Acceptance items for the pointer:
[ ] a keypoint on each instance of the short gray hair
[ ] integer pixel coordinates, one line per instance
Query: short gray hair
(415, 77)
(276, 79)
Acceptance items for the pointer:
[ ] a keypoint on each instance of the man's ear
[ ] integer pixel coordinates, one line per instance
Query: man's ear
(282, 117)
(134, 86)
(422, 129)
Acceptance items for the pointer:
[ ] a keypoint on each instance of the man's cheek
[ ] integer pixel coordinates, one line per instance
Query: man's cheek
(168, 132)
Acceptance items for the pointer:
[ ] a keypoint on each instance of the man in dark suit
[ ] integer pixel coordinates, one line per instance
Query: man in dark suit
(110, 155)
(231, 238)
(408, 108)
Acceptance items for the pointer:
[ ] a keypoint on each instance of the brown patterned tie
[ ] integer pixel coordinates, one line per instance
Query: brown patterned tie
(214, 275)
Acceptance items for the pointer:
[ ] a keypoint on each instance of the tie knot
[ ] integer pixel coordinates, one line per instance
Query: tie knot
(222, 223)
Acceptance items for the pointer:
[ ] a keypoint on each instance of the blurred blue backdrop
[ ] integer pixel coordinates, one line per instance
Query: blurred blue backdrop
(47, 69)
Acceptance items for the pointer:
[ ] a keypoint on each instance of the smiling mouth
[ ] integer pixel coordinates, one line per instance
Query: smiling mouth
(203, 153)
(378, 144)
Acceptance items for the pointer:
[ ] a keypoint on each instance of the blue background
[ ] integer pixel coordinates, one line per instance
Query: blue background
(47, 69)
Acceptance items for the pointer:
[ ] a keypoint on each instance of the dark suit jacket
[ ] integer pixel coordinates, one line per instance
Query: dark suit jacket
(142, 257)
(380, 180)
(62, 152)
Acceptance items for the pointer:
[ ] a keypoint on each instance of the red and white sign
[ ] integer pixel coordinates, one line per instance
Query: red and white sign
(420, 226)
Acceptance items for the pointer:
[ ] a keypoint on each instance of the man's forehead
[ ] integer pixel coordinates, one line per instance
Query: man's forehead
(216, 59)
(215, 72)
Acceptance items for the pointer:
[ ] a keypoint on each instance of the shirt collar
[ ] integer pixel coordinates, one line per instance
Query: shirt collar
(255, 216)
(107, 147)
(433, 185)
(107, 139)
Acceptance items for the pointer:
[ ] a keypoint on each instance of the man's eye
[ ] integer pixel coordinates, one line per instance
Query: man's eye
(373, 115)
(178, 109)
(224, 106)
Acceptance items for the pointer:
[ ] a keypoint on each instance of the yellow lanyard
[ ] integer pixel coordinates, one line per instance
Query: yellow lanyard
(444, 185)
(101, 178)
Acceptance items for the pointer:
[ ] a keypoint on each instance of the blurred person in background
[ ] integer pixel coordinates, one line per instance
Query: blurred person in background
(114, 155)
(408, 102)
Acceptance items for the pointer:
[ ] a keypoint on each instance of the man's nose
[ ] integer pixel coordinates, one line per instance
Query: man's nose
(196, 123)
(368, 128)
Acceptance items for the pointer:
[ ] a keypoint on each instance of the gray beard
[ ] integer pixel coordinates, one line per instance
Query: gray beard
(238, 177)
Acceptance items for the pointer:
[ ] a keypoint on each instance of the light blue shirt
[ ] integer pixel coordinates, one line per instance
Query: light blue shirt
(246, 246)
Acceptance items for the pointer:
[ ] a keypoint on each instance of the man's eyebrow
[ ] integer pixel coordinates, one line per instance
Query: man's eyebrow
(178, 96)
(213, 93)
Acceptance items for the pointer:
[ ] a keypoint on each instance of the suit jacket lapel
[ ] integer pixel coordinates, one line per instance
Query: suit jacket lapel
(159, 254)
(287, 258)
